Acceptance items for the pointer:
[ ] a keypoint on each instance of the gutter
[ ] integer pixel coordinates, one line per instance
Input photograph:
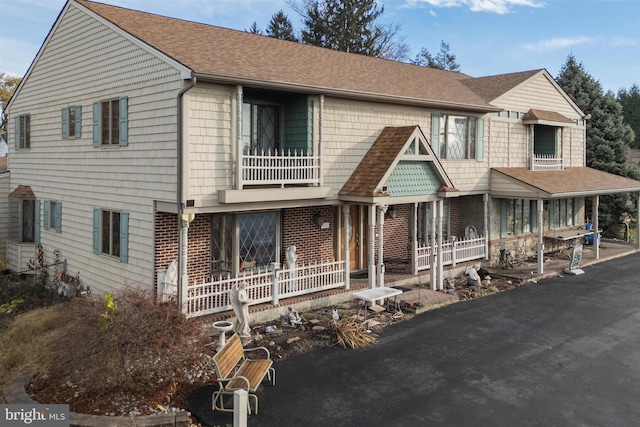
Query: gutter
(344, 93)
(182, 255)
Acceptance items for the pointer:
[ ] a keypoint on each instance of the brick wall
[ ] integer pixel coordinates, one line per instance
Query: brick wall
(312, 243)
(456, 226)
(166, 238)
(396, 233)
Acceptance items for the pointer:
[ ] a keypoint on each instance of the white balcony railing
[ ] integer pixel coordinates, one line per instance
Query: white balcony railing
(280, 168)
(547, 162)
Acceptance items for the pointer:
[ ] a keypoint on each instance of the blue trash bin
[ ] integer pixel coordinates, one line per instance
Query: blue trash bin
(589, 226)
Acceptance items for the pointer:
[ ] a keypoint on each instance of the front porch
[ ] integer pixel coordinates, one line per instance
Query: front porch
(416, 287)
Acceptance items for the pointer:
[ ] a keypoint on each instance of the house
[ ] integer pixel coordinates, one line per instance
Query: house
(140, 142)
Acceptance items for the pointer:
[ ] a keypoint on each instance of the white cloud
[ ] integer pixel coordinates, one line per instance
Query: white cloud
(623, 41)
(492, 6)
(556, 43)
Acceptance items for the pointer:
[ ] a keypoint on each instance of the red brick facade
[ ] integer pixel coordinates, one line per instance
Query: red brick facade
(313, 244)
(456, 227)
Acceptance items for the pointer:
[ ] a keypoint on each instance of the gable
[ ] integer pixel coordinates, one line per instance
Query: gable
(399, 163)
(538, 92)
(412, 178)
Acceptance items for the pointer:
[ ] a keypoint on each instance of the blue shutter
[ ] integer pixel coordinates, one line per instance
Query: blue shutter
(503, 218)
(46, 214)
(124, 237)
(480, 141)
(96, 124)
(78, 121)
(310, 127)
(96, 230)
(36, 224)
(65, 123)
(124, 122)
(435, 133)
(16, 133)
(58, 216)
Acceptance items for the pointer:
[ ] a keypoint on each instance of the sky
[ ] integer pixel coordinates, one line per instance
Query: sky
(487, 37)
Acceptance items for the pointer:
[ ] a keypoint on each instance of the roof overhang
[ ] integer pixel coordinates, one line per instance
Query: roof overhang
(342, 93)
(522, 183)
(23, 192)
(544, 117)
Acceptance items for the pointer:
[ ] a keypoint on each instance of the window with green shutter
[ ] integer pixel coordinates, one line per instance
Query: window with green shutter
(111, 233)
(22, 132)
(111, 123)
(72, 122)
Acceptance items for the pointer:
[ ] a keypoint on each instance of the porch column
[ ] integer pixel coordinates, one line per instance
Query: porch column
(594, 209)
(372, 246)
(239, 97)
(485, 231)
(434, 248)
(638, 222)
(346, 221)
(381, 211)
(540, 210)
(414, 240)
(440, 205)
(184, 258)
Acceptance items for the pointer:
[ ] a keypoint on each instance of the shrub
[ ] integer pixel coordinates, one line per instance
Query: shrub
(125, 344)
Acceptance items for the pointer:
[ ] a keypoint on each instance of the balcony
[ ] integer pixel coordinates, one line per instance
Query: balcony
(280, 168)
(546, 162)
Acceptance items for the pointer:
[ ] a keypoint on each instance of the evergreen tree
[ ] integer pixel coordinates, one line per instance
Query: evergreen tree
(281, 27)
(630, 101)
(444, 60)
(349, 26)
(608, 137)
(254, 29)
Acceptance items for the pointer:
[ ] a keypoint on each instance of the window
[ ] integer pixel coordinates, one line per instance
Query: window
(23, 227)
(256, 236)
(562, 213)
(518, 216)
(544, 140)
(72, 122)
(22, 132)
(457, 137)
(110, 123)
(260, 127)
(53, 215)
(111, 233)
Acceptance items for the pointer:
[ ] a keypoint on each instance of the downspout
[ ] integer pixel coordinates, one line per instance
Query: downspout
(182, 243)
(320, 166)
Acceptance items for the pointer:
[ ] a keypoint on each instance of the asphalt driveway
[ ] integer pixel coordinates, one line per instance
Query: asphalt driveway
(563, 352)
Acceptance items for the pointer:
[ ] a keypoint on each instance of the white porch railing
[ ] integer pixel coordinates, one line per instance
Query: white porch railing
(547, 162)
(453, 252)
(280, 168)
(264, 286)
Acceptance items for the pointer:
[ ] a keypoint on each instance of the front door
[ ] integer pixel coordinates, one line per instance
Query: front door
(355, 237)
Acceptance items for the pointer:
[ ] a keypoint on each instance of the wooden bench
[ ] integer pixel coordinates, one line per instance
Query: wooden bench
(236, 371)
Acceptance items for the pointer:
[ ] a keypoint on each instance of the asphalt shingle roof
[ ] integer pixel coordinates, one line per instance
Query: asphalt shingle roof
(374, 165)
(550, 116)
(580, 180)
(220, 53)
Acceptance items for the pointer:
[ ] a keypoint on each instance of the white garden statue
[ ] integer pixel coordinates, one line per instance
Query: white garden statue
(292, 259)
(240, 303)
